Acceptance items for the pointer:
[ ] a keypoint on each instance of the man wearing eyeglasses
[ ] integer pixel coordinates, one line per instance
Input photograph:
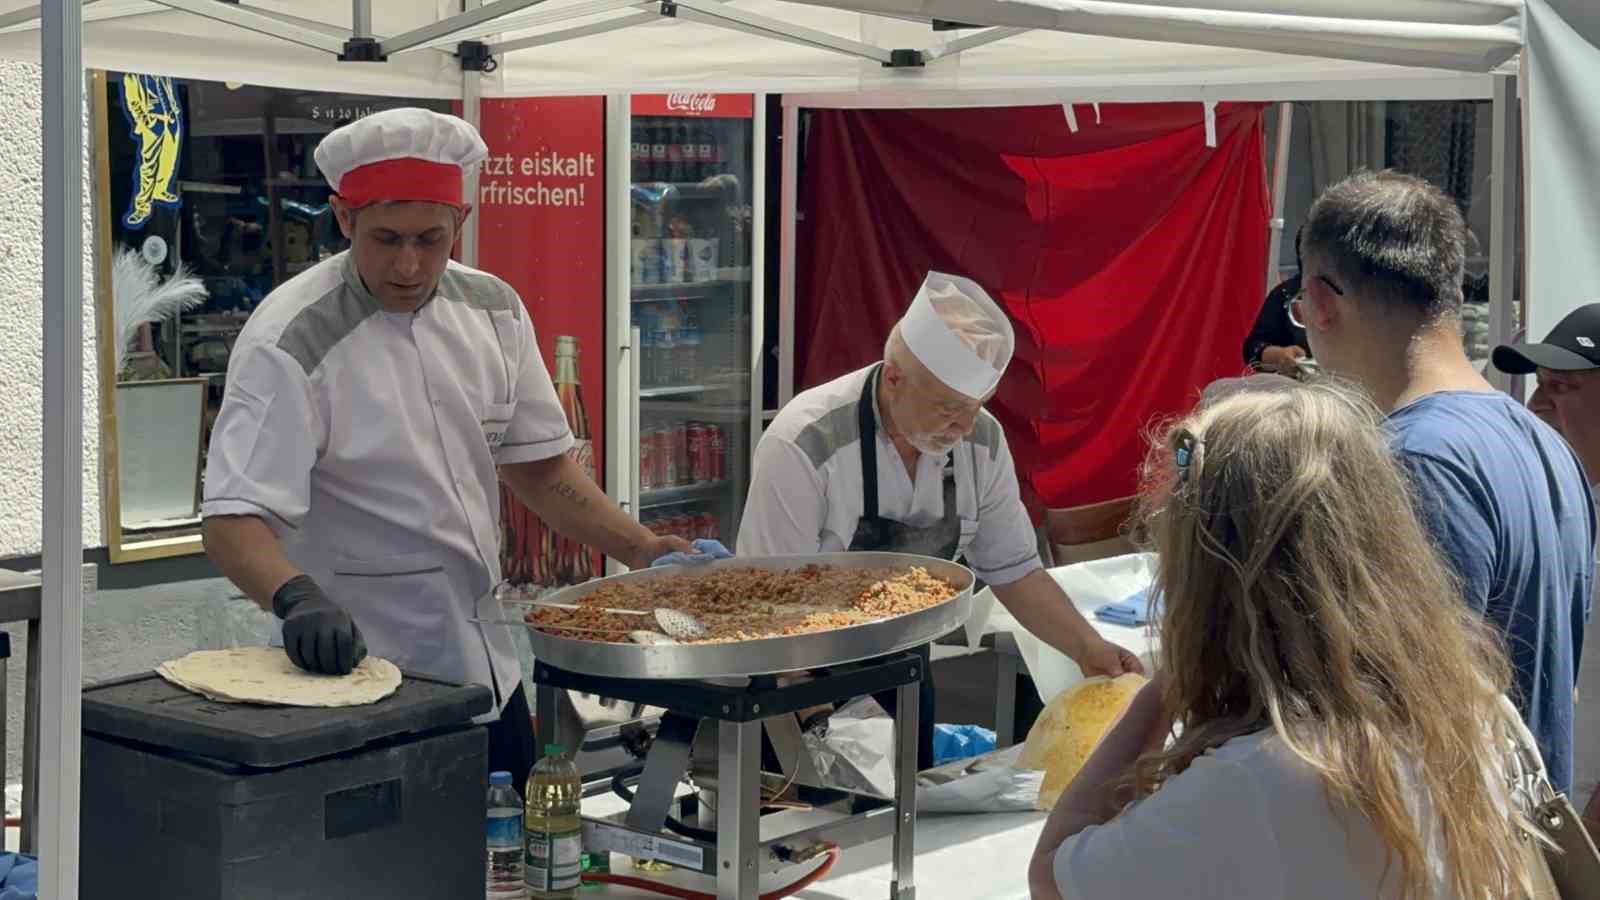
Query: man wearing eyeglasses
(1504, 498)
(1275, 343)
(1567, 364)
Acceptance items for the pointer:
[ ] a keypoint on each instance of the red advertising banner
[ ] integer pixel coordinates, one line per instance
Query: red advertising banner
(696, 106)
(541, 208)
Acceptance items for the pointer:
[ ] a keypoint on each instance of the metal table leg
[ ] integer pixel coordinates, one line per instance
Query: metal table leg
(547, 715)
(739, 809)
(1005, 711)
(903, 886)
(30, 743)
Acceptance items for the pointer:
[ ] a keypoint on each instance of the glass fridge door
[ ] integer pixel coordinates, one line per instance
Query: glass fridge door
(690, 297)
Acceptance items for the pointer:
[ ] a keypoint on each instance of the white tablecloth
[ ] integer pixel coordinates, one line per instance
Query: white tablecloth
(1090, 585)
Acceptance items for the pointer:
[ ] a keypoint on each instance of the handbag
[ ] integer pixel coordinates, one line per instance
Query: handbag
(1561, 856)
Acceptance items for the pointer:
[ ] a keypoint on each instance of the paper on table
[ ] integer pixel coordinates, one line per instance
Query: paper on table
(1089, 584)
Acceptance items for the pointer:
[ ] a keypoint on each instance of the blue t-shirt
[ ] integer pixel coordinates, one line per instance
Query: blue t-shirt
(1508, 504)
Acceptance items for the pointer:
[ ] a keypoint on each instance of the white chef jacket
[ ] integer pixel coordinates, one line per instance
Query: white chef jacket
(368, 441)
(805, 490)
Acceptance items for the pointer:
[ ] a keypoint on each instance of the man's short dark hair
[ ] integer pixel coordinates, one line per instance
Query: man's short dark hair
(1391, 236)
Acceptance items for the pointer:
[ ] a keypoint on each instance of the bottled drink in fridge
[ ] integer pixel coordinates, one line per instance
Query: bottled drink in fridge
(640, 155)
(574, 562)
(659, 135)
(553, 830)
(504, 880)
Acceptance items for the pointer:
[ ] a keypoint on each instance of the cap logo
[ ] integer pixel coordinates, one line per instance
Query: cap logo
(1586, 342)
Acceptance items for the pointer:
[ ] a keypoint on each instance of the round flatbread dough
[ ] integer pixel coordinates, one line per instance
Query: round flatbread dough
(266, 675)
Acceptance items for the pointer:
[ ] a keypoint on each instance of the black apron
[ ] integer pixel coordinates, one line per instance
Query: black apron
(873, 532)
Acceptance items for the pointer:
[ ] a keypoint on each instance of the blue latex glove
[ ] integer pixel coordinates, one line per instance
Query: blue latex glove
(706, 551)
(19, 877)
(952, 742)
(1133, 612)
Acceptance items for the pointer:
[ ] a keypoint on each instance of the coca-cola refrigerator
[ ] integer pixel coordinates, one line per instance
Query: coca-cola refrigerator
(684, 195)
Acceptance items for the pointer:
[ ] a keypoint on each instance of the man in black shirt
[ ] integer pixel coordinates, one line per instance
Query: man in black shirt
(1276, 344)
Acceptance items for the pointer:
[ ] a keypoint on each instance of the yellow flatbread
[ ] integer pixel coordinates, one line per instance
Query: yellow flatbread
(1070, 727)
(265, 675)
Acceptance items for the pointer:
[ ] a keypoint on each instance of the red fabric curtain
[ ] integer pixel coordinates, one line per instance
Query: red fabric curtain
(1130, 256)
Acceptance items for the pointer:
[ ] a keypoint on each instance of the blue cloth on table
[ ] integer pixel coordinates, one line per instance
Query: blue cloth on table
(952, 742)
(19, 877)
(1137, 609)
(707, 550)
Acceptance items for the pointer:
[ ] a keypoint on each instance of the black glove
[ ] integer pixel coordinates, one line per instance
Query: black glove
(317, 634)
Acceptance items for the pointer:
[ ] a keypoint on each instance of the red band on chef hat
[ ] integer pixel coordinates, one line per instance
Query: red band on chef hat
(402, 180)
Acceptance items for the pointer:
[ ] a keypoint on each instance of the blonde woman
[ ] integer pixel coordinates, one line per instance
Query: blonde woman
(1335, 704)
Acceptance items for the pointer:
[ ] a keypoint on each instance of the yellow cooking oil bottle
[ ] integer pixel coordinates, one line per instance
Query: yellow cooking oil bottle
(551, 827)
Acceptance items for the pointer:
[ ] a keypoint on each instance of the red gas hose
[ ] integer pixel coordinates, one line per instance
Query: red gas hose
(687, 894)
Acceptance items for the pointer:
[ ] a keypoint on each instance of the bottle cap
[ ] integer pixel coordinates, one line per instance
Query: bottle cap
(499, 778)
(553, 750)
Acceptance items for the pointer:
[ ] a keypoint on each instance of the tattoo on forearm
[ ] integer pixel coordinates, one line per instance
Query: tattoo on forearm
(566, 491)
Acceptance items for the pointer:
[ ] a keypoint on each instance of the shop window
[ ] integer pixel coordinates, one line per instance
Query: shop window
(207, 197)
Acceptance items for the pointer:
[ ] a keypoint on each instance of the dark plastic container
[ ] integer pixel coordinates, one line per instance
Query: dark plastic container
(383, 801)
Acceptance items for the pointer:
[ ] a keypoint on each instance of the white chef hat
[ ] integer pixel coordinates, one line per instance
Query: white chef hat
(959, 333)
(400, 155)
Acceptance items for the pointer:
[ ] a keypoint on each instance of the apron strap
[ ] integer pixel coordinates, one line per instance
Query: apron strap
(869, 446)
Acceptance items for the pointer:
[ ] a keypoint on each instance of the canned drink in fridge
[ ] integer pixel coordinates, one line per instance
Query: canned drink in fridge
(702, 259)
(699, 455)
(680, 452)
(645, 261)
(647, 461)
(717, 441)
(666, 461)
(674, 260)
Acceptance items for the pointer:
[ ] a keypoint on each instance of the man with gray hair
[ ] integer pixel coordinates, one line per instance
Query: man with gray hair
(1504, 498)
(901, 456)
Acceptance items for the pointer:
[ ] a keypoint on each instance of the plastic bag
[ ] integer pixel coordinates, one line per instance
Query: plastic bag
(991, 783)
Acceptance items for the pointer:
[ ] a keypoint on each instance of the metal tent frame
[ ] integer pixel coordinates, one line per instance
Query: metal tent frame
(1475, 36)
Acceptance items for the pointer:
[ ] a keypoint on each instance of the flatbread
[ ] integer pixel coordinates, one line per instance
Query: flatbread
(266, 675)
(1071, 726)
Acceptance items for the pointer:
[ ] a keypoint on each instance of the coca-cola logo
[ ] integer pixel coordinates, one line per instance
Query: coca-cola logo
(694, 103)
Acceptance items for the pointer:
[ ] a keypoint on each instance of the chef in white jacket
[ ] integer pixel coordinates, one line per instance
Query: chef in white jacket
(351, 486)
(901, 456)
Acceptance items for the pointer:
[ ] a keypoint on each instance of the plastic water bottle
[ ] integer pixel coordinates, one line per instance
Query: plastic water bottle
(504, 875)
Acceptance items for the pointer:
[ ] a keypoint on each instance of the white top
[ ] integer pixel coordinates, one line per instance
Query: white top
(805, 490)
(955, 329)
(368, 441)
(1246, 821)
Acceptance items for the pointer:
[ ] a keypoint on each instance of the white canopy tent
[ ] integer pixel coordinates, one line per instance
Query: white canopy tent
(823, 53)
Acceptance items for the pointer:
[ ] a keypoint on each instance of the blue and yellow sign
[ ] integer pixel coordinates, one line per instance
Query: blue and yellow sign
(150, 103)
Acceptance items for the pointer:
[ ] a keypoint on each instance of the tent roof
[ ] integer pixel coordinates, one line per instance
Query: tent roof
(833, 49)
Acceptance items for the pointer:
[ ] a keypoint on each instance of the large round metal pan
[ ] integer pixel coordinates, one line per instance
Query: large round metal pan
(766, 655)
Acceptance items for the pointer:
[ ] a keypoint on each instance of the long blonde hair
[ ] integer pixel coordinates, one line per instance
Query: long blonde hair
(1302, 595)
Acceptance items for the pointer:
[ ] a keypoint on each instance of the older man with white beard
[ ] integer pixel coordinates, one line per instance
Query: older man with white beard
(901, 456)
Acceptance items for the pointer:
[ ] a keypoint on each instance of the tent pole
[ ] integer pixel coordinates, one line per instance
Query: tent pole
(61, 668)
(1505, 173)
(361, 18)
(472, 111)
(786, 251)
(1280, 190)
(758, 275)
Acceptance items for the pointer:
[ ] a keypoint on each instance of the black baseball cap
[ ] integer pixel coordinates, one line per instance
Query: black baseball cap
(1572, 346)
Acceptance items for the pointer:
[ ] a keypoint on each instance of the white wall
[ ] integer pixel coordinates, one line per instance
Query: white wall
(22, 325)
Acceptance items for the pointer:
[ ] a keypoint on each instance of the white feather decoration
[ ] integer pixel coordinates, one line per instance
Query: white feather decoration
(139, 296)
